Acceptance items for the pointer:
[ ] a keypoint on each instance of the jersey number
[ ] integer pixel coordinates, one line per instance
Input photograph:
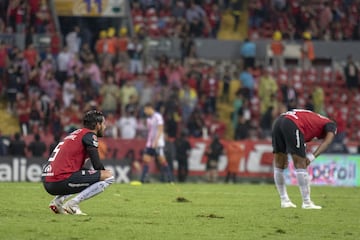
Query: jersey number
(55, 152)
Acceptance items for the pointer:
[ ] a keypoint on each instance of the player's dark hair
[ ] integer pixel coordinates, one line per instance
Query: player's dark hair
(149, 104)
(91, 118)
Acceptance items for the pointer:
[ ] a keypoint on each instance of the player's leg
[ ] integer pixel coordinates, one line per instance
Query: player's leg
(164, 164)
(95, 182)
(148, 155)
(56, 205)
(280, 163)
(296, 146)
(303, 180)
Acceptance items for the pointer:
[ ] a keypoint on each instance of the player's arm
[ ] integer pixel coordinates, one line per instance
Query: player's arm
(91, 144)
(330, 129)
(160, 131)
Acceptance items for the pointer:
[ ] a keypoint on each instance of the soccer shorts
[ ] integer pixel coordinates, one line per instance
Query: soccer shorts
(77, 182)
(287, 137)
(154, 152)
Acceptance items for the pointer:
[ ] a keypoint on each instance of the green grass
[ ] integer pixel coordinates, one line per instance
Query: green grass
(152, 212)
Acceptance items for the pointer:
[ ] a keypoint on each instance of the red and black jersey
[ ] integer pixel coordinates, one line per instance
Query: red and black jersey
(311, 124)
(69, 155)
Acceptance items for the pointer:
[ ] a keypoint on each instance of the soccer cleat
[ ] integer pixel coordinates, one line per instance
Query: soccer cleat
(56, 206)
(310, 205)
(71, 207)
(287, 204)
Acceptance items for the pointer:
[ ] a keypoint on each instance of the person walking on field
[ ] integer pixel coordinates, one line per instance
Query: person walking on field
(291, 131)
(64, 174)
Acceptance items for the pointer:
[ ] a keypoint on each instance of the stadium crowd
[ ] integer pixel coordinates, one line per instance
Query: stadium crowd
(48, 92)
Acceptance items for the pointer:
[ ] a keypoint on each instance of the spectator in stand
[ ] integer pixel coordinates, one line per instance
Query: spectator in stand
(63, 59)
(50, 85)
(69, 91)
(187, 47)
(122, 44)
(4, 60)
(31, 55)
(289, 95)
(43, 18)
(71, 117)
(182, 148)
(37, 148)
(307, 51)
(85, 53)
(326, 16)
(318, 98)
(17, 146)
(12, 88)
(174, 74)
(109, 93)
(127, 125)
(179, 11)
(135, 52)
(277, 47)
(92, 71)
(73, 40)
(195, 124)
(266, 90)
(146, 93)
(194, 11)
(242, 126)
(247, 83)
(226, 80)
(111, 130)
(21, 16)
(211, 89)
(188, 100)
(23, 114)
(126, 92)
(236, 9)
(351, 72)
(248, 52)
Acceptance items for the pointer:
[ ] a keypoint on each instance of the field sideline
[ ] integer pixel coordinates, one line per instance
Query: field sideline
(151, 211)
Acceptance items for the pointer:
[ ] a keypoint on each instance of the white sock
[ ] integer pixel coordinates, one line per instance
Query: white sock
(302, 177)
(280, 183)
(62, 198)
(93, 190)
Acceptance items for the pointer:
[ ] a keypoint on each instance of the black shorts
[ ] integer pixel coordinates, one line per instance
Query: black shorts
(77, 182)
(287, 137)
(154, 152)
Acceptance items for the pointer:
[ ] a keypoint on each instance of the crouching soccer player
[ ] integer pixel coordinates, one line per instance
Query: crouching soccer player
(64, 173)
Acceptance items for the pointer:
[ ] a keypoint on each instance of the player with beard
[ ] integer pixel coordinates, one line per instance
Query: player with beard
(155, 143)
(64, 174)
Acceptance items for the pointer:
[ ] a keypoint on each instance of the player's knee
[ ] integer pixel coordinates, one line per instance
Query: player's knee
(106, 174)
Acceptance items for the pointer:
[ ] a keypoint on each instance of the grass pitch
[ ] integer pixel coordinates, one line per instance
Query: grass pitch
(188, 211)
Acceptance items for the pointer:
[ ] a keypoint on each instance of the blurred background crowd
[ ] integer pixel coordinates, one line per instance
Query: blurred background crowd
(107, 67)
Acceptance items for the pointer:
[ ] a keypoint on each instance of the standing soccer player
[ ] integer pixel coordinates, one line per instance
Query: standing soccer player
(290, 133)
(155, 143)
(64, 173)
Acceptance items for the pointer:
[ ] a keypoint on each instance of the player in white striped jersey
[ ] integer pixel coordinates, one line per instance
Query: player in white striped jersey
(155, 143)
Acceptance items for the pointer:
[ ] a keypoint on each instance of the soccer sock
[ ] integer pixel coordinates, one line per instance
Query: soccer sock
(166, 170)
(280, 183)
(303, 180)
(144, 172)
(62, 198)
(93, 190)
